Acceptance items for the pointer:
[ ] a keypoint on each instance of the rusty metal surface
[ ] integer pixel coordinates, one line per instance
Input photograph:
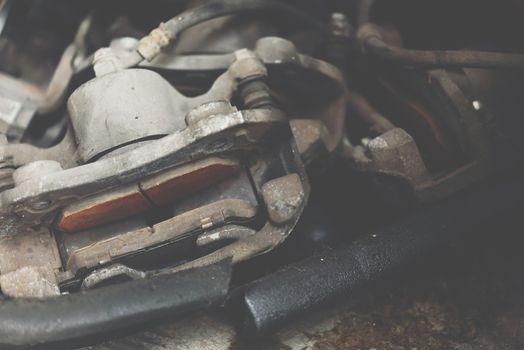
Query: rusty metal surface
(29, 263)
(311, 137)
(283, 197)
(289, 192)
(30, 282)
(104, 251)
(128, 125)
(231, 200)
(246, 65)
(100, 171)
(273, 51)
(64, 187)
(40, 250)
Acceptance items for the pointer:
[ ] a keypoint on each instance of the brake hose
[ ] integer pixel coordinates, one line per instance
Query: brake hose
(150, 46)
(373, 43)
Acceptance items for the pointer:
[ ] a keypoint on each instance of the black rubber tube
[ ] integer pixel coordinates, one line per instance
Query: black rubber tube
(211, 10)
(328, 276)
(109, 309)
(215, 9)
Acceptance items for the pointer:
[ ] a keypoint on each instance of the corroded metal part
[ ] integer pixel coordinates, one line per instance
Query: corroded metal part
(117, 194)
(122, 107)
(227, 197)
(204, 138)
(102, 275)
(214, 134)
(311, 137)
(271, 235)
(29, 263)
(271, 50)
(30, 282)
(104, 251)
(277, 54)
(224, 234)
(396, 153)
(128, 106)
(30, 248)
(283, 197)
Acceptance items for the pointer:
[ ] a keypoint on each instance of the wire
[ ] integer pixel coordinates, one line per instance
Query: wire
(160, 37)
(221, 8)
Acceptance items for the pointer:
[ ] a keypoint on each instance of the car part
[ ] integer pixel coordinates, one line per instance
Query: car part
(77, 316)
(334, 274)
(135, 145)
(128, 156)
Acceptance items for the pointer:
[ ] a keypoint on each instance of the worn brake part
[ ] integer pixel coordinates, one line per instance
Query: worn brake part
(144, 170)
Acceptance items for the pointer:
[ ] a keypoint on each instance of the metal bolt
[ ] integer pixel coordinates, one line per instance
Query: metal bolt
(255, 93)
(106, 61)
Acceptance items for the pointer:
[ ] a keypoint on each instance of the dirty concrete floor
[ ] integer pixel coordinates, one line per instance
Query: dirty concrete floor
(470, 297)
